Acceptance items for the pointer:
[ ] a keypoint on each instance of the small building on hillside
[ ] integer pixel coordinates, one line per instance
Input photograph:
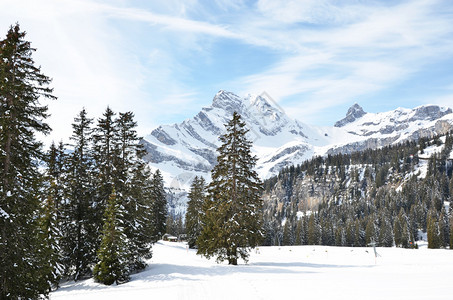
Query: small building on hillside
(170, 238)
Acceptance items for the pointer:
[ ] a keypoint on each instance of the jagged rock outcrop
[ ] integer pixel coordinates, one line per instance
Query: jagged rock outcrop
(182, 151)
(354, 112)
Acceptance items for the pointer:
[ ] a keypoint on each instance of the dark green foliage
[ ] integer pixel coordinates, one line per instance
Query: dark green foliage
(159, 207)
(51, 236)
(112, 254)
(105, 152)
(232, 220)
(131, 180)
(373, 195)
(434, 240)
(288, 235)
(196, 197)
(79, 216)
(22, 86)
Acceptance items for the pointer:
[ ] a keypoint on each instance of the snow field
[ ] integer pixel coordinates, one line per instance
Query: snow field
(320, 272)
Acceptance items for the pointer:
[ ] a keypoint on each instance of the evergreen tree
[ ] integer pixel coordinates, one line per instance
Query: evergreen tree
(79, 217)
(105, 153)
(313, 230)
(22, 85)
(232, 221)
(370, 231)
(131, 182)
(51, 235)
(433, 231)
(112, 253)
(385, 232)
(56, 170)
(288, 235)
(159, 207)
(299, 234)
(141, 237)
(196, 197)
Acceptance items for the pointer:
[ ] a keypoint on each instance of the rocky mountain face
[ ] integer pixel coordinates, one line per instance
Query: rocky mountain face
(375, 130)
(184, 150)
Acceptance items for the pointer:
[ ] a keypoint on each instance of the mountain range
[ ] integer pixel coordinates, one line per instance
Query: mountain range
(184, 150)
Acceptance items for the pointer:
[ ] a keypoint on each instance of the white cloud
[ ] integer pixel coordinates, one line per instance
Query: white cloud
(359, 50)
(328, 52)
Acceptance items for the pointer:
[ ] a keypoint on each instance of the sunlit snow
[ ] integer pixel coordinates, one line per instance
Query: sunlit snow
(298, 272)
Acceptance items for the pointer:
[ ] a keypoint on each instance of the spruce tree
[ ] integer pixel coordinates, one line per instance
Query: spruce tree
(112, 254)
(140, 235)
(159, 207)
(313, 230)
(299, 240)
(51, 235)
(232, 221)
(105, 152)
(79, 217)
(132, 185)
(433, 231)
(196, 197)
(22, 87)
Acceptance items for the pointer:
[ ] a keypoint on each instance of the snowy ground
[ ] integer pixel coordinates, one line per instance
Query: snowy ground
(279, 272)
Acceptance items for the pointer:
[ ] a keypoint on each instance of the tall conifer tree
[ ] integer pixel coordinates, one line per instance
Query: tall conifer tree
(159, 207)
(21, 116)
(196, 197)
(232, 219)
(112, 265)
(105, 152)
(79, 233)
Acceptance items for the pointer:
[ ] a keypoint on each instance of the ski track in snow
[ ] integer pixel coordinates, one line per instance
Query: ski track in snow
(318, 272)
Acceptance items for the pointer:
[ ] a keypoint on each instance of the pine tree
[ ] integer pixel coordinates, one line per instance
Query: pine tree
(22, 86)
(196, 197)
(105, 152)
(313, 230)
(51, 235)
(232, 221)
(56, 170)
(299, 239)
(141, 238)
(51, 216)
(370, 231)
(131, 184)
(112, 253)
(79, 218)
(159, 207)
(288, 237)
(433, 230)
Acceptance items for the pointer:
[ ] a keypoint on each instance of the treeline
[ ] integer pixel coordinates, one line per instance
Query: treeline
(107, 206)
(89, 208)
(372, 196)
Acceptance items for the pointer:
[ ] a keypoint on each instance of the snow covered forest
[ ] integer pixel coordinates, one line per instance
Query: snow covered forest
(86, 219)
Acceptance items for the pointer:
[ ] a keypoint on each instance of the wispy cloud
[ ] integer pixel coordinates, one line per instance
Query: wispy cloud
(359, 50)
(311, 55)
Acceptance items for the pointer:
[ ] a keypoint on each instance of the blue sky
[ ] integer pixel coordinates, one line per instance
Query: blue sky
(164, 60)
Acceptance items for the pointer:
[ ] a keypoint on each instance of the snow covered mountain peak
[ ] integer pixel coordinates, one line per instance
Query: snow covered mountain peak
(228, 101)
(186, 149)
(430, 112)
(354, 112)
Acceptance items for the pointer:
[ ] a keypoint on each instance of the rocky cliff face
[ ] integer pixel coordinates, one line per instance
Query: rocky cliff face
(375, 130)
(184, 150)
(354, 112)
(190, 146)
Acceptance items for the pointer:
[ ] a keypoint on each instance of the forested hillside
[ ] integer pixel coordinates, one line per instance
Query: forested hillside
(391, 196)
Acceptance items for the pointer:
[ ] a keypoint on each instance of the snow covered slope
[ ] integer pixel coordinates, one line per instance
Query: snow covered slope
(374, 130)
(184, 150)
(189, 148)
(307, 272)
